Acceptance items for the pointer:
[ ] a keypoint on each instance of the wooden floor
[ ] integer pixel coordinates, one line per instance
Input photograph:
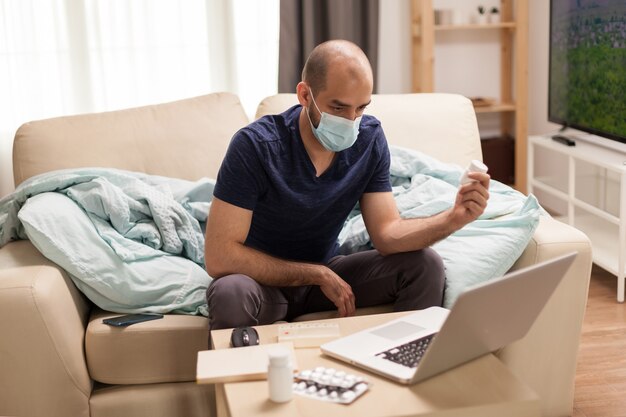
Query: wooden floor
(601, 374)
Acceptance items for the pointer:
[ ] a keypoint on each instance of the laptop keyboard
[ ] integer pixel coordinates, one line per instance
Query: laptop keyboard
(408, 354)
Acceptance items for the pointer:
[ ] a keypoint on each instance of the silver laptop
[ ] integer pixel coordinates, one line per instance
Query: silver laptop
(483, 319)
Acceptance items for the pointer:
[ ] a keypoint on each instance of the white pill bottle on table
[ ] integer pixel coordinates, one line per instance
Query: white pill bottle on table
(280, 375)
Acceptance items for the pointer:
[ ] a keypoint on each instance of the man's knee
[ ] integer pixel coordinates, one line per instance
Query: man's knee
(433, 263)
(423, 262)
(425, 273)
(233, 300)
(229, 287)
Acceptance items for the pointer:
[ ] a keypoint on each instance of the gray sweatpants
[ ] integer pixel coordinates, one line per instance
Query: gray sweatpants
(410, 280)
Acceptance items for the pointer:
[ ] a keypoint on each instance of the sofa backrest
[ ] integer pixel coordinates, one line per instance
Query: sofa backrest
(188, 138)
(184, 139)
(441, 125)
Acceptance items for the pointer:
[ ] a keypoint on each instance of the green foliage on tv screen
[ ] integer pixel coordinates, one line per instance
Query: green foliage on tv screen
(588, 68)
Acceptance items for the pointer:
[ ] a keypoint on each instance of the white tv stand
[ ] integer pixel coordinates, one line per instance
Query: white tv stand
(586, 184)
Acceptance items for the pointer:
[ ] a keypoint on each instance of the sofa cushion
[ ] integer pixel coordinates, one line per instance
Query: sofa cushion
(153, 400)
(183, 139)
(156, 351)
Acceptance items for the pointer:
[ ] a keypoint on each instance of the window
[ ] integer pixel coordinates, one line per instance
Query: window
(60, 57)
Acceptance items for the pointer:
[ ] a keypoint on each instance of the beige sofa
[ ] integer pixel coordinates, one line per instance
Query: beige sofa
(58, 359)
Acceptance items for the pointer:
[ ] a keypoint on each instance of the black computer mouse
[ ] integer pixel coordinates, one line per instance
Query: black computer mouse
(244, 336)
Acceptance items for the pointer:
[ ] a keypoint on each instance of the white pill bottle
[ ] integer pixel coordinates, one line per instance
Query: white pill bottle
(280, 375)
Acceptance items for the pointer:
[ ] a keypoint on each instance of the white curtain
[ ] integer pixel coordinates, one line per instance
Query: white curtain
(60, 57)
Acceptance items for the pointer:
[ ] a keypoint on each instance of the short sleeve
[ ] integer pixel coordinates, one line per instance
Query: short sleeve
(241, 178)
(380, 182)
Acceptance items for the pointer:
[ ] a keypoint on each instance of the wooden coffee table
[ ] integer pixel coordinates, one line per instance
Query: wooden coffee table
(481, 388)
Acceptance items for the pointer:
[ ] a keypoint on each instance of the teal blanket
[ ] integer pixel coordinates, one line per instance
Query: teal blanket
(134, 242)
(139, 215)
(131, 242)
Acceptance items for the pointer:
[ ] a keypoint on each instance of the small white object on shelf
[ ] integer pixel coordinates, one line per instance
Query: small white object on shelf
(481, 17)
(444, 16)
(494, 15)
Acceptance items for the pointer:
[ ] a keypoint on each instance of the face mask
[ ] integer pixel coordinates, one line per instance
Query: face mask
(335, 133)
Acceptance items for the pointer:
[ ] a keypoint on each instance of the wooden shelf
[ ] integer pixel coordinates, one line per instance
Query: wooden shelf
(513, 67)
(501, 25)
(495, 108)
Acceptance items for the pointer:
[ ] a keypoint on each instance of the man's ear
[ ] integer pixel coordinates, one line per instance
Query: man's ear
(304, 94)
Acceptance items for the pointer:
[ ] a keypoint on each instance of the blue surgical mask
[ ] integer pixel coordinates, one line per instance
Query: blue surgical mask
(333, 132)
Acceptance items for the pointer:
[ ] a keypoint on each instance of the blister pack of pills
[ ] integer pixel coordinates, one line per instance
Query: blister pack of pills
(328, 384)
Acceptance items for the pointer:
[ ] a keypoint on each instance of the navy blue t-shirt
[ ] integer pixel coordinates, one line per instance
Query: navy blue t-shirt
(296, 215)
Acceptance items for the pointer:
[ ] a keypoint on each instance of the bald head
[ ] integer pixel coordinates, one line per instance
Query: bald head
(335, 55)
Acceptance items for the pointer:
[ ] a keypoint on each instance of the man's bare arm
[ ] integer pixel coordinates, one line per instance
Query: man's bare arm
(225, 253)
(392, 234)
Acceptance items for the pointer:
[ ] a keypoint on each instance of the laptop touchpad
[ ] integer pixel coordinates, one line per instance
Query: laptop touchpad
(397, 330)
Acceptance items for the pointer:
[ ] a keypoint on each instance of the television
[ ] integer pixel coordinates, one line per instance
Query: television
(587, 77)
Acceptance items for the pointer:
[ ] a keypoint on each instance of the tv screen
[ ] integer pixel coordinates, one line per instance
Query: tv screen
(587, 82)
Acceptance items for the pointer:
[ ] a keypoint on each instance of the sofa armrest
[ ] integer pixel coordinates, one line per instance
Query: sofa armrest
(43, 319)
(545, 359)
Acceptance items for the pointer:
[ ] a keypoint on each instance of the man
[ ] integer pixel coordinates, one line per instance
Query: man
(284, 191)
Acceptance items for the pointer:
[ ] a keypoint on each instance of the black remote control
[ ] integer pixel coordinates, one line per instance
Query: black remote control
(564, 140)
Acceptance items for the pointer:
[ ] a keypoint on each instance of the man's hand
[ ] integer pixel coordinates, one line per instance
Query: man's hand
(339, 292)
(471, 200)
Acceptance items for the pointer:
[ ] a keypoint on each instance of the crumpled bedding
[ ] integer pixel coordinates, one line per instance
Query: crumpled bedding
(131, 242)
(140, 215)
(134, 242)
